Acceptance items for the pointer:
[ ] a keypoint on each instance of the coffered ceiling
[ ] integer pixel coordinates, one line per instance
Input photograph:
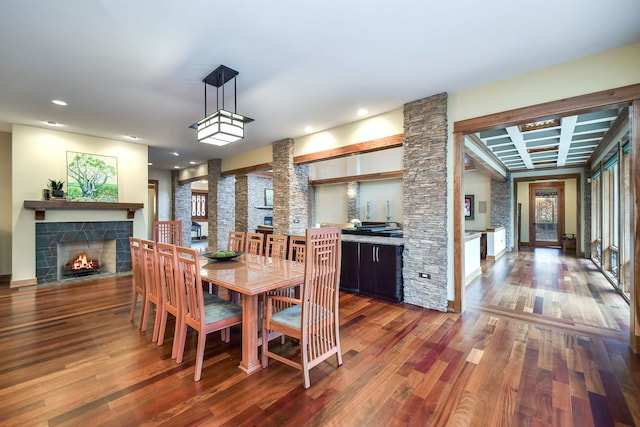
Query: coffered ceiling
(566, 142)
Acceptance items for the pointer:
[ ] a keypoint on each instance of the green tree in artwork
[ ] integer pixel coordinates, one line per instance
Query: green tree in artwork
(91, 174)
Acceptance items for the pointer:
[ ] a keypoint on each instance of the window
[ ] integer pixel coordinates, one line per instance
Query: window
(199, 199)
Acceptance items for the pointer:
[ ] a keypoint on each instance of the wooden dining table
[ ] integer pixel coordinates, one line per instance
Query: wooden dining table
(251, 276)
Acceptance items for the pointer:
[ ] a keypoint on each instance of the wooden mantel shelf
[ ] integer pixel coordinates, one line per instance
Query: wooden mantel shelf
(41, 206)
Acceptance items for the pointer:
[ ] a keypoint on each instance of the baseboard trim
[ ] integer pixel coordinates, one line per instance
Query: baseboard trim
(23, 283)
(5, 279)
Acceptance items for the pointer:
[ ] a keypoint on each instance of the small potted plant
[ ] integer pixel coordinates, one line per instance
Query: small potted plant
(56, 188)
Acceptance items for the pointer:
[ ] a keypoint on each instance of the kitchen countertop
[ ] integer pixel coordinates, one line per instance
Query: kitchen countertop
(376, 240)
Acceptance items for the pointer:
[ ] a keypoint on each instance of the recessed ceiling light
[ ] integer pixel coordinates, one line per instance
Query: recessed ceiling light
(131, 137)
(59, 102)
(363, 112)
(176, 167)
(150, 164)
(52, 123)
(175, 154)
(308, 129)
(192, 162)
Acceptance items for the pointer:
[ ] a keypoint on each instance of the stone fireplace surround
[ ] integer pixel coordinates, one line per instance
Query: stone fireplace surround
(50, 234)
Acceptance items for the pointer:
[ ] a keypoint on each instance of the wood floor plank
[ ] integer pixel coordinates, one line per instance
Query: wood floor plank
(544, 341)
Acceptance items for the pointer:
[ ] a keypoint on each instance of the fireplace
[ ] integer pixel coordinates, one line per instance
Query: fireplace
(58, 243)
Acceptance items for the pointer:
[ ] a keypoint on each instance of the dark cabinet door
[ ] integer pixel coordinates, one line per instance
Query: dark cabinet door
(349, 276)
(380, 271)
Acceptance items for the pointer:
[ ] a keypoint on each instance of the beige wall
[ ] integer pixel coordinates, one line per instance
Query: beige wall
(5, 208)
(40, 154)
(383, 125)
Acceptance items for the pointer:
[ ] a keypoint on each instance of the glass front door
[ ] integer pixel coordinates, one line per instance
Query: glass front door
(546, 213)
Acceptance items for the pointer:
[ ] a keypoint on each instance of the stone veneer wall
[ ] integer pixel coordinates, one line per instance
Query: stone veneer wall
(250, 202)
(290, 191)
(586, 238)
(425, 202)
(502, 208)
(182, 206)
(353, 200)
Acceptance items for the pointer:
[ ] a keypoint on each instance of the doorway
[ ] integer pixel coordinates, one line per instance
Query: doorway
(546, 213)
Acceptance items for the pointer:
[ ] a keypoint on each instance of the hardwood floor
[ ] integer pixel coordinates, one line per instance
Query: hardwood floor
(544, 341)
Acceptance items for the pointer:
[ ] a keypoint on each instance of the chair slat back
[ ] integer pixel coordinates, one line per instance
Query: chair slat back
(136, 266)
(236, 241)
(149, 267)
(296, 248)
(190, 286)
(168, 232)
(276, 246)
(320, 291)
(167, 277)
(255, 243)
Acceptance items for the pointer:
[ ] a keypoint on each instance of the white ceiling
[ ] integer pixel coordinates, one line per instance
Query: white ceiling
(136, 67)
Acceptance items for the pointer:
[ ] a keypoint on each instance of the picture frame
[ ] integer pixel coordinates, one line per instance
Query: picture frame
(469, 206)
(92, 177)
(268, 196)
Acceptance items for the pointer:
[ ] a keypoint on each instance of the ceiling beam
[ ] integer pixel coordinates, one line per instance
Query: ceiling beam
(521, 146)
(475, 149)
(566, 133)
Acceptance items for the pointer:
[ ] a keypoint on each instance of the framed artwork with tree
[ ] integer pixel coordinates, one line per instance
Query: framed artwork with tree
(92, 178)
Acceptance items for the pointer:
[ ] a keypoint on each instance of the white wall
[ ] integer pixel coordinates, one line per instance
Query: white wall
(5, 208)
(40, 154)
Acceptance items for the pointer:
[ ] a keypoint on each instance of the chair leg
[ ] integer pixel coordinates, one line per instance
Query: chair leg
(176, 339)
(265, 347)
(156, 324)
(202, 340)
(163, 326)
(182, 338)
(134, 303)
(145, 314)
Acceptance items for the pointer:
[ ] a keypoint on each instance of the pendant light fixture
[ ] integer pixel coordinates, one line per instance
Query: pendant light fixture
(223, 126)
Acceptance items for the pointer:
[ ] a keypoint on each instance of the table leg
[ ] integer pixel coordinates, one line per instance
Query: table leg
(250, 362)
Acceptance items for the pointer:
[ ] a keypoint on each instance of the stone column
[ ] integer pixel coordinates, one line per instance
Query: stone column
(502, 194)
(425, 202)
(182, 206)
(221, 205)
(290, 191)
(242, 203)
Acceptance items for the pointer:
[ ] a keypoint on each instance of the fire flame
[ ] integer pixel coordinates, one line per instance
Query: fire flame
(82, 263)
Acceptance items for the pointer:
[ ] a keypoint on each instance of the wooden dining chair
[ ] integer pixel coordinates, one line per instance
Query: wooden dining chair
(152, 295)
(296, 248)
(276, 246)
(168, 232)
(314, 319)
(255, 243)
(137, 275)
(217, 315)
(168, 284)
(235, 241)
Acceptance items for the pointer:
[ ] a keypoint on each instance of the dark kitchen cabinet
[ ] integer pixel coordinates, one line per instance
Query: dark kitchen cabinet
(374, 270)
(349, 268)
